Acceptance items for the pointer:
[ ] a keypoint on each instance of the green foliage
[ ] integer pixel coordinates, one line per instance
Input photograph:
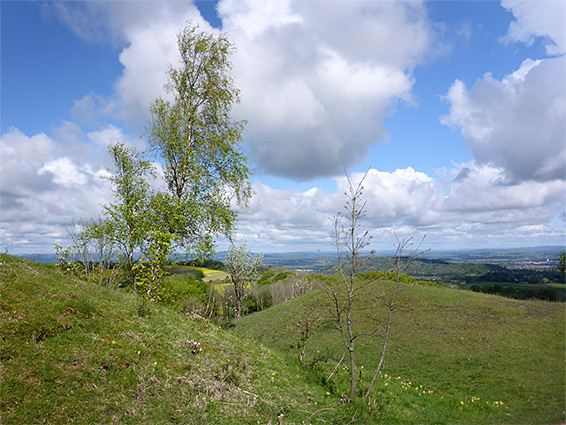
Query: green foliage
(204, 263)
(562, 263)
(271, 276)
(150, 270)
(65, 260)
(186, 294)
(281, 276)
(243, 268)
(128, 219)
(266, 278)
(198, 142)
(522, 292)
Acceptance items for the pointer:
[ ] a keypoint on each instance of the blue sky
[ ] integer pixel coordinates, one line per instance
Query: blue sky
(456, 108)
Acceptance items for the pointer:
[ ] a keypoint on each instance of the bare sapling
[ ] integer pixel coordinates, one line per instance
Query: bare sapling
(346, 295)
(350, 242)
(306, 326)
(400, 264)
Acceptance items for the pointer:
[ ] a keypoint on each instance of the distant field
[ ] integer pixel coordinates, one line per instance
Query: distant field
(209, 274)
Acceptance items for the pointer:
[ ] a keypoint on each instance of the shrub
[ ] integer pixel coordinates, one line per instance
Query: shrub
(188, 293)
(265, 278)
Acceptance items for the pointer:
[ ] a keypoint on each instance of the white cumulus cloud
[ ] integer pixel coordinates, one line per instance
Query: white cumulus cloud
(543, 18)
(516, 123)
(47, 182)
(479, 206)
(316, 78)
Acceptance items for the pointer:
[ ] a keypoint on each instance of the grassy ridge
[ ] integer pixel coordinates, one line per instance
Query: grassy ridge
(479, 358)
(73, 351)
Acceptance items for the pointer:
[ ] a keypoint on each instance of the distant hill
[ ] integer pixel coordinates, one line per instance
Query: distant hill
(40, 258)
(317, 260)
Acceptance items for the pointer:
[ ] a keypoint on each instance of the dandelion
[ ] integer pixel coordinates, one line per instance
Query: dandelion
(155, 363)
(274, 373)
(461, 402)
(139, 352)
(387, 383)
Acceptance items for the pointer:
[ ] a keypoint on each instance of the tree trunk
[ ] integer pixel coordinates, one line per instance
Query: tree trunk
(354, 377)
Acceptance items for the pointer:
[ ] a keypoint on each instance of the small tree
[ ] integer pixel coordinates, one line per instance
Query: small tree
(349, 244)
(127, 217)
(150, 270)
(98, 232)
(345, 297)
(94, 246)
(243, 268)
(205, 172)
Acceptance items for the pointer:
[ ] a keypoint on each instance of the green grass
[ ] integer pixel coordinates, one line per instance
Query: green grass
(73, 351)
(479, 358)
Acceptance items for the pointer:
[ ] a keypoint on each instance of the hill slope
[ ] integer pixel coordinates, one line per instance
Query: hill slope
(481, 358)
(72, 351)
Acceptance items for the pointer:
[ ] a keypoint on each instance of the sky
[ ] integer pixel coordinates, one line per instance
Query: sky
(455, 109)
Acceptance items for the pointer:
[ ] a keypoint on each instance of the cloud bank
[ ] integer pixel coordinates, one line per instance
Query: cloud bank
(47, 183)
(475, 206)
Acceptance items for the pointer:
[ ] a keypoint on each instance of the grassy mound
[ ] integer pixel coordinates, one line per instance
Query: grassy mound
(455, 357)
(73, 351)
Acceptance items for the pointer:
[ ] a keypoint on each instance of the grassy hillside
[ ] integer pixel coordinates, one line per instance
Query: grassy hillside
(455, 357)
(73, 351)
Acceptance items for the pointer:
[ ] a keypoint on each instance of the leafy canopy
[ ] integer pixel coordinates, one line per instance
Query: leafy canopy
(192, 133)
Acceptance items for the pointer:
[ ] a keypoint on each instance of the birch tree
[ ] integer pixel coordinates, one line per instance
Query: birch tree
(192, 133)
